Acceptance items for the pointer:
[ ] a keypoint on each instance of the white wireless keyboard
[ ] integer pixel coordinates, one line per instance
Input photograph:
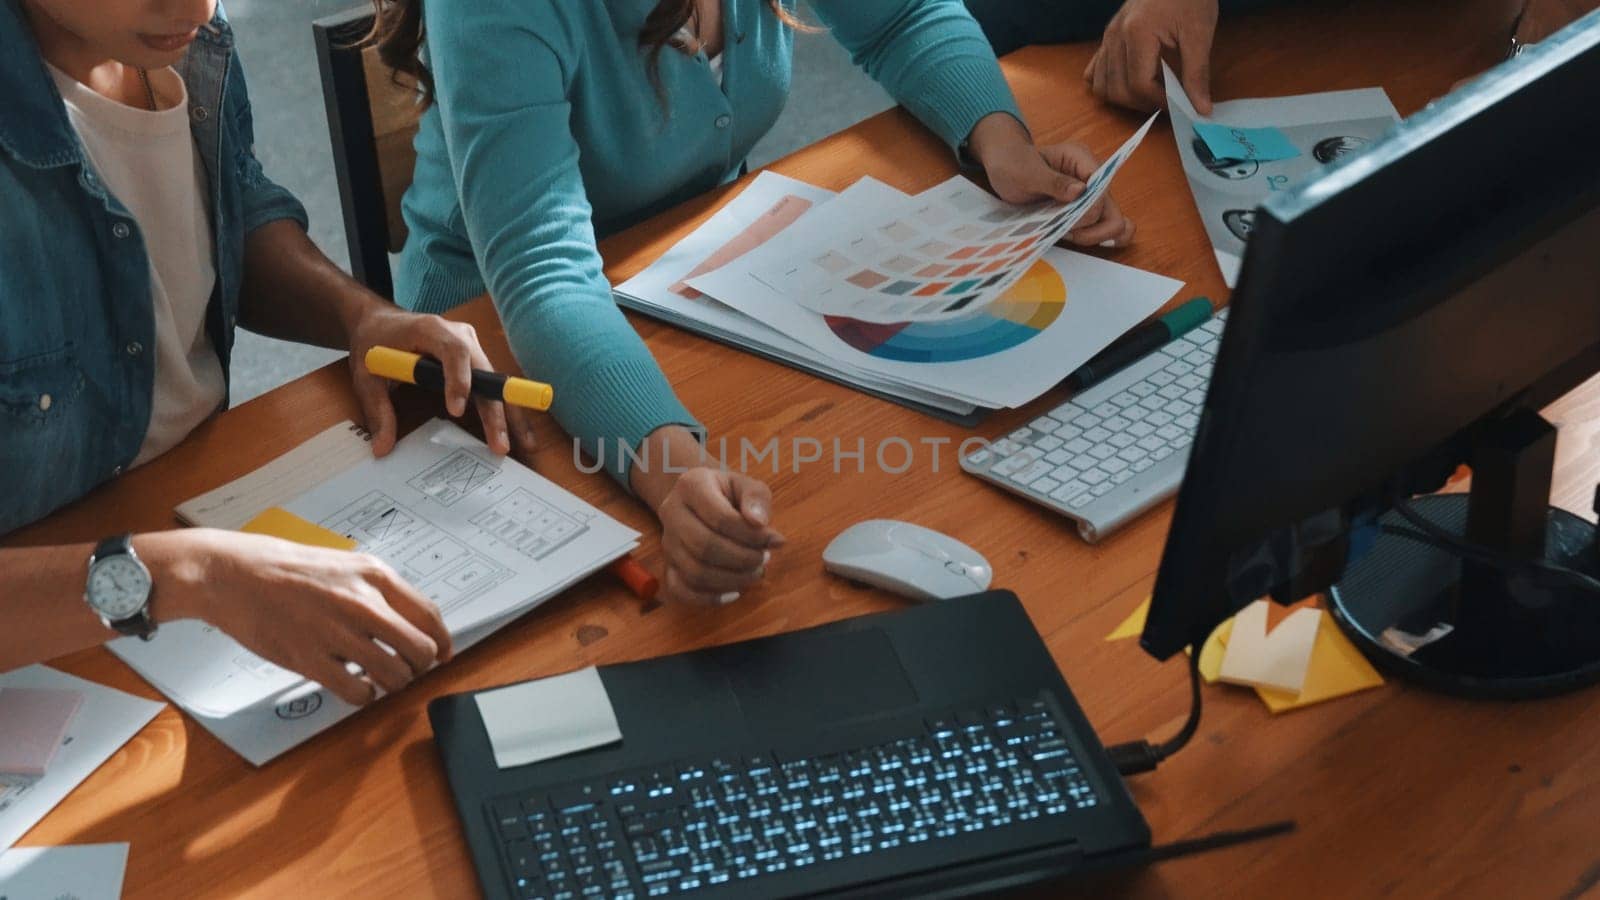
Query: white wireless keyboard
(1116, 449)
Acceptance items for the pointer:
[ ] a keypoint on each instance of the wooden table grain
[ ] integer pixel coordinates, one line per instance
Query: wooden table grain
(1396, 791)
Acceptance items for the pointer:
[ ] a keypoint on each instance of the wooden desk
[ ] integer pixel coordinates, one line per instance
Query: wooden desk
(1396, 790)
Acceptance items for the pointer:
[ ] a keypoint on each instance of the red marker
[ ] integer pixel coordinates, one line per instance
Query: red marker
(636, 577)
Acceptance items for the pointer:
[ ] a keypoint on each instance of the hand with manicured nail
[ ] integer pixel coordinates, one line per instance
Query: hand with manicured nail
(716, 525)
(1020, 172)
(716, 535)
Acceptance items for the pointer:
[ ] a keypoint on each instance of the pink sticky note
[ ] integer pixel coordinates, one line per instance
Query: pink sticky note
(33, 724)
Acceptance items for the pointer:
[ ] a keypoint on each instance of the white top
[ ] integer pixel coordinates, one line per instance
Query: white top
(148, 161)
(687, 38)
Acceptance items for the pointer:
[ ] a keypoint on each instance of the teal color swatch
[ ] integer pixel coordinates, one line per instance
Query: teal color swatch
(1260, 144)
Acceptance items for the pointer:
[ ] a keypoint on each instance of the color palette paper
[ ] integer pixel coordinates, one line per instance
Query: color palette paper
(1057, 313)
(944, 254)
(33, 723)
(1030, 306)
(762, 210)
(1053, 316)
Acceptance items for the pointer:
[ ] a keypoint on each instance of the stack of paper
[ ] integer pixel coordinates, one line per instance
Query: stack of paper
(949, 299)
(484, 537)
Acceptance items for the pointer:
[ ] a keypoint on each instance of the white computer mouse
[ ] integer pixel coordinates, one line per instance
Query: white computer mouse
(909, 560)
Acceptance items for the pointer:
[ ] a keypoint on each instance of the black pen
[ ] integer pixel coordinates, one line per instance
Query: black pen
(1139, 342)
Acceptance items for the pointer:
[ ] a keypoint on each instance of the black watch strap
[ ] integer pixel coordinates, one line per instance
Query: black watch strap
(138, 625)
(111, 546)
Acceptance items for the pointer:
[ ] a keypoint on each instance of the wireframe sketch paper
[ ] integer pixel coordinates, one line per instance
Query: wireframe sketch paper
(481, 536)
(1320, 128)
(266, 730)
(106, 720)
(943, 254)
(78, 872)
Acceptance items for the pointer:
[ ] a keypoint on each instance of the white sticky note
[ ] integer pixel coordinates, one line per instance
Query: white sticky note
(550, 717)
(1278, 659)
(84, 871)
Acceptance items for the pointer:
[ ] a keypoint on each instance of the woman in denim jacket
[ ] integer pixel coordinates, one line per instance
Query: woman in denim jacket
(137, 232)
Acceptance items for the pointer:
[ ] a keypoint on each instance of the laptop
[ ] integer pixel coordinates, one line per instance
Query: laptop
(931, 751)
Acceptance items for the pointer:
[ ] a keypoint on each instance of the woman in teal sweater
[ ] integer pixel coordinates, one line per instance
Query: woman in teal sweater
(552, 123)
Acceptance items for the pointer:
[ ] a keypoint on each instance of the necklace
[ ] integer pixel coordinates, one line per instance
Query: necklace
(149, 92)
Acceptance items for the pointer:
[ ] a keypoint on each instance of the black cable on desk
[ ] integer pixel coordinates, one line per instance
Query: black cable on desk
(1135, 757)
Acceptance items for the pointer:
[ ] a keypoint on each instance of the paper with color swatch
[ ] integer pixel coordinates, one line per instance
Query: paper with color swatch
(764, 209)
(1067, 307)
(107, 719)
(33, 723)
(549, 717)
(943, 254)
(74, 872)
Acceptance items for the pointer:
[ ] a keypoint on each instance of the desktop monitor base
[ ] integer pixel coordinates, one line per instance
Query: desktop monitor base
(1502, 638)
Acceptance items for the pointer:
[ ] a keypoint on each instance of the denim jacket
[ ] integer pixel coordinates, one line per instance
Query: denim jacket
(77, 327)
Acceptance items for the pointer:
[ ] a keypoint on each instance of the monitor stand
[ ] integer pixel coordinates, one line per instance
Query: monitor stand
(1464, 627)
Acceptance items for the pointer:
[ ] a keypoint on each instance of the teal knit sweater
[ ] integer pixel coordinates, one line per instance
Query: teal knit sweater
(548, 132)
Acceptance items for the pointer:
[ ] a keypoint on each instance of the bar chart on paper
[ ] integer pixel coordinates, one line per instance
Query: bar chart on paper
(1022, 313)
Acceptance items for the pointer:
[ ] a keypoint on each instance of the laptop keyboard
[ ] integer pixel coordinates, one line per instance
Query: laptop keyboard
(731, 819)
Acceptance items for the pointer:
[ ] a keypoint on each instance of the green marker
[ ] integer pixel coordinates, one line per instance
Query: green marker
(1139, 342)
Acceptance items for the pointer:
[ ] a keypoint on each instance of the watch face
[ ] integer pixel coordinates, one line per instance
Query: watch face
(118, 587)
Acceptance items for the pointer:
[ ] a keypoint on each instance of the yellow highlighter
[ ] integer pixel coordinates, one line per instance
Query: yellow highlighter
(413, 368)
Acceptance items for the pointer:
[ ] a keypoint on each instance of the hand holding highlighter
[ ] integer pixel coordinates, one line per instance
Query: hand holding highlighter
(413, 368)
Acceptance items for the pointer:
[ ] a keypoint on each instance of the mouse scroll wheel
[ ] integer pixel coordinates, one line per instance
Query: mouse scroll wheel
(957, 567)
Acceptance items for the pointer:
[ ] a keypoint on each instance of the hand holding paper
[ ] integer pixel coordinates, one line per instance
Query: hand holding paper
(1020, 173)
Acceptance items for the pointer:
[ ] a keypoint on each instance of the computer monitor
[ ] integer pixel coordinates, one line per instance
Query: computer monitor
(1408, 311)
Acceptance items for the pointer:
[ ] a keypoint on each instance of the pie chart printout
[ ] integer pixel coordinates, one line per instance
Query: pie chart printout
(1022, 312)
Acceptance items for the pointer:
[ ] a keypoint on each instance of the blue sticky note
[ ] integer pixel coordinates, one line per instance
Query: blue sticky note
(1230, 142)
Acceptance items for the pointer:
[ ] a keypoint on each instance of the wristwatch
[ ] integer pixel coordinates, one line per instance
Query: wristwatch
(119, 588)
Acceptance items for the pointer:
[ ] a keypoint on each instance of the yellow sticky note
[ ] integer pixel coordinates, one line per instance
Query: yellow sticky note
(1133, 625)
(280, 523)
(1211, 654)
(1337, 668)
